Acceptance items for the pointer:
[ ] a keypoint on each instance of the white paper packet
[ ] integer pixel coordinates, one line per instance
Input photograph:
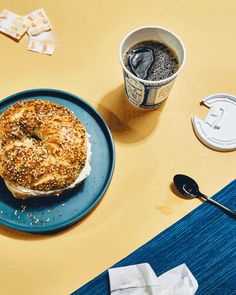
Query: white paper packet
(41, 47)
(37, 22)
(12, 24)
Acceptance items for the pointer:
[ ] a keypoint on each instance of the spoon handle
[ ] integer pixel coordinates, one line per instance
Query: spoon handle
(229, 211)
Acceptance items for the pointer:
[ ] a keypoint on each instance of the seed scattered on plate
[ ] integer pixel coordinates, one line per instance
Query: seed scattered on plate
(23, 207)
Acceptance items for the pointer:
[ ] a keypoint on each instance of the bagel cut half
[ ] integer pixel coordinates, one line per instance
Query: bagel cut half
(44, 149)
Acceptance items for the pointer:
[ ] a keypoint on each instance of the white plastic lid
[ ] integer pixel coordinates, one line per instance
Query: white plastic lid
(218, 130)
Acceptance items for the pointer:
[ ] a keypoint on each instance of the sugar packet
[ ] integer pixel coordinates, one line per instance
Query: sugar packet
(41, 47)
(37, 22)
(12, 24)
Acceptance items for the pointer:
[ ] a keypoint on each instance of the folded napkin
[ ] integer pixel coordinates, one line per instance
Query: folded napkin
(140, 279)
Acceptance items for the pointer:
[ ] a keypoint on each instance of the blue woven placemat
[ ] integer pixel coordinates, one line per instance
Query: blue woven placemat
(205, 240)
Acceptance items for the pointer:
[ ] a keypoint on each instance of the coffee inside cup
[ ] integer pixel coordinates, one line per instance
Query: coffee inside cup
(151, 60)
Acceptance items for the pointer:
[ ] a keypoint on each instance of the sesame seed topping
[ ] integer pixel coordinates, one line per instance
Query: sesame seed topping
(43, 146)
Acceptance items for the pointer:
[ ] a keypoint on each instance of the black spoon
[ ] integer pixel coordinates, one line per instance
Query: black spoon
(189, 188)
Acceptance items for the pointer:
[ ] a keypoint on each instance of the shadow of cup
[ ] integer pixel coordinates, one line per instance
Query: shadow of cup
(128, 124)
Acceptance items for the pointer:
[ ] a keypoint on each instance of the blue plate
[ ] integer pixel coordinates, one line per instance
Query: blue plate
(38, 215)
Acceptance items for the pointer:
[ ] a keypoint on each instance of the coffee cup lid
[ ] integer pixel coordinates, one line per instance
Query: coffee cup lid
(218, 130)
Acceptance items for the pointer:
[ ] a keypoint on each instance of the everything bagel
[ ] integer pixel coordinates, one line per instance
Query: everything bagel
(44, 149)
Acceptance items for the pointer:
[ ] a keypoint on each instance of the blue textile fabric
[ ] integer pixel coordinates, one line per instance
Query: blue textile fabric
(205, 239)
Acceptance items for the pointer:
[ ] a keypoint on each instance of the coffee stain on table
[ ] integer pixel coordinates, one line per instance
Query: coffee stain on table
(166, 210)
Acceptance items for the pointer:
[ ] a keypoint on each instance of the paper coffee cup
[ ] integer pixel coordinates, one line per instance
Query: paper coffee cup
(146, 94)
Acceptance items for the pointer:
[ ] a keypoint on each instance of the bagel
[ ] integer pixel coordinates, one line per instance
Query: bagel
(44, 149)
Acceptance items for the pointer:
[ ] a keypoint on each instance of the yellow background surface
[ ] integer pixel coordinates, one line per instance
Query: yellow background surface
(151, 147)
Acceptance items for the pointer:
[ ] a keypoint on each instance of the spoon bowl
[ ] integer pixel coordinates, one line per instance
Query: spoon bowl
(188, 188)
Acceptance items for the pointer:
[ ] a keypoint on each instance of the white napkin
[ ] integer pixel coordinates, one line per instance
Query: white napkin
(140, 279)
